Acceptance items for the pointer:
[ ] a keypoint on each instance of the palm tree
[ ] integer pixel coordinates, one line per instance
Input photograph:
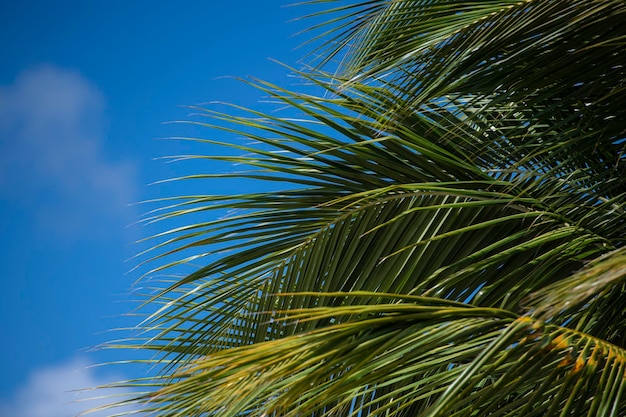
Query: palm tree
(442, 233)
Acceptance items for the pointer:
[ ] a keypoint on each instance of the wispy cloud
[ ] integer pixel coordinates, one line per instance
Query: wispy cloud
(59, 391)
(52, 159)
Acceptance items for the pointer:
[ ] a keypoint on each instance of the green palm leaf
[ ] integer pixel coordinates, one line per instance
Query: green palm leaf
(443, 235)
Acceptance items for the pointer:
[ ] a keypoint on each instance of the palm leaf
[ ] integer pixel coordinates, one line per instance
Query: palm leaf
(415, 355)
(436, 234)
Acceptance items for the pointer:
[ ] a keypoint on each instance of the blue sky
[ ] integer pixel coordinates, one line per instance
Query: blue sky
(85, 90)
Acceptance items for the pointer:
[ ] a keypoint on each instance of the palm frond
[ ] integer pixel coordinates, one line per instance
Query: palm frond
(423, 356)
(440, 232)
(514, 48)
(436, 225)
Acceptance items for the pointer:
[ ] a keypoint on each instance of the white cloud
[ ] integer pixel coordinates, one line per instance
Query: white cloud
(59, 391)
(51, 154)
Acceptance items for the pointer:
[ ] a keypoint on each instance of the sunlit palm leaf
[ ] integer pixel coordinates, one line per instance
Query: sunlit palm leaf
(434, 226)
(421, 355)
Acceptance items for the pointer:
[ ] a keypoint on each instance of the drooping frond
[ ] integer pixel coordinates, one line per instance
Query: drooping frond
(382, 206)
(441, 233)
(414, 356)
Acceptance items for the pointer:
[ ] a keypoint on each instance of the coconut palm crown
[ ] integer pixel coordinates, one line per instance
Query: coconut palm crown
(443, 232)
